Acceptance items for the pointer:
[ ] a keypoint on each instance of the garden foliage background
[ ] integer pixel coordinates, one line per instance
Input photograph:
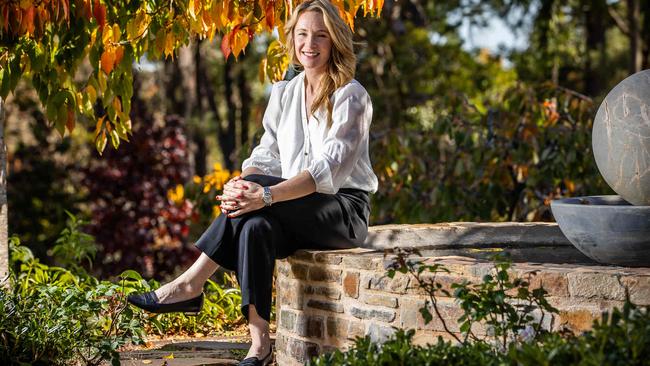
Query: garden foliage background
(457, 134)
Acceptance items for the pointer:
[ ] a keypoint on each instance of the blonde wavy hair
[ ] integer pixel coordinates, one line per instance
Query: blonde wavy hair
(342, 60)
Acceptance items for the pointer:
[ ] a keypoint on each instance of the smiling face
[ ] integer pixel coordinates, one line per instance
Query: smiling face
(312, 42)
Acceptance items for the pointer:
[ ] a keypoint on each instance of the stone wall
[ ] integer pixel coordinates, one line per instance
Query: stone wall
(327, 298)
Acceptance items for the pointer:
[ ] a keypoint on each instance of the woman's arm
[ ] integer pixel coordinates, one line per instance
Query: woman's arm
(251, 170)
(241, 196)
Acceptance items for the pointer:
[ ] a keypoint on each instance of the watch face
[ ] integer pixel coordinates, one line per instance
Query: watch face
(266, 196)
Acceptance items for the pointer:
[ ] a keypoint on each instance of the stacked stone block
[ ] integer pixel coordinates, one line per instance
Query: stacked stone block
(326, 299)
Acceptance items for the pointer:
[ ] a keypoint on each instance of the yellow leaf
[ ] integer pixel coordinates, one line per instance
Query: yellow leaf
(101, 81)
(170, 356)
(107, 35)
(169, 45)
(100, 143)
(93, 36)
(217, 12)
(194, 7)
(160, 42)
(92, 93)
(116, 33)
(239, 41)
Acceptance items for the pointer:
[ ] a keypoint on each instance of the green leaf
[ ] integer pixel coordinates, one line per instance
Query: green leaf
(131, 274)
(115, 138)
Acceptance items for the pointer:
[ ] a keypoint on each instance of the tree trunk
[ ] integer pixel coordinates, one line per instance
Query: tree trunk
(4, 244)
(244, 117)
(227, 137)
(595, 26)
(200, 155)
(645, 32)
(636, 48)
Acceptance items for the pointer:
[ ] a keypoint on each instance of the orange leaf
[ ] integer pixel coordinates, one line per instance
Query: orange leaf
(270, 15)
(99, 12)
(66, 10)
(239, 41)
(88, 9)
(108, 61)
(5, 15)
(117, 105)
(119, 53)
(98, 126)
(70, 123)
(27, 24)
(225, 45)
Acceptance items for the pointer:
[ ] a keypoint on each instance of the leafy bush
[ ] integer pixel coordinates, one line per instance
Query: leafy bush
(133, 221)
(500, 157)
(52, 316)
(514, 337)
(61, 316)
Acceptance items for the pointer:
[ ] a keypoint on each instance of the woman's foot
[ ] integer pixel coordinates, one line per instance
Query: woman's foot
(259, 351)
(258, 356)
(149, 301)
(177, 291)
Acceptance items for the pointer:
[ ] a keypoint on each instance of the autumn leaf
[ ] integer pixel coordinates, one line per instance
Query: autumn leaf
(99, 12)
(194, 8)
(108, 60)
(239, 40)
(117, 105)
(98, 126)
(169, 44)
(119, 53)
(27, 23)
(270, 15)
(116, 33)
(100, 143)
(225, 45)
(87, 9)
(70, 123)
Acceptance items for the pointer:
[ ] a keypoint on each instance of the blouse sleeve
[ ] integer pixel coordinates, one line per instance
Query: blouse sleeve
(265, 155)
(345, 141)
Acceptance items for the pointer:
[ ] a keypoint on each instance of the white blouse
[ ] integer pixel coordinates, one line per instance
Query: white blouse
(336, 157)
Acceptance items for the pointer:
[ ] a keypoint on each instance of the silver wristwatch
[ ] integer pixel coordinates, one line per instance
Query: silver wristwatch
(267, 197)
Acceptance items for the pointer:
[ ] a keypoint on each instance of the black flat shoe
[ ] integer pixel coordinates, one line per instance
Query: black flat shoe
(149, 301)
(254, 361)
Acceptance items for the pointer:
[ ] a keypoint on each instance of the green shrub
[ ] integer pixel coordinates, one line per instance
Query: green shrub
(52, 316)
(400, 350)
(60, 316)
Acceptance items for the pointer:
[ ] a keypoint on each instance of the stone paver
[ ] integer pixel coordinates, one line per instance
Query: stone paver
(188, 352)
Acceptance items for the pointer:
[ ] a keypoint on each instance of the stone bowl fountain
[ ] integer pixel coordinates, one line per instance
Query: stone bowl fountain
(616, 229)
(607, 229)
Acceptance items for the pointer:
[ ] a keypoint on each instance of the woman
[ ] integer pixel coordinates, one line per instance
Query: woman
(316, 139)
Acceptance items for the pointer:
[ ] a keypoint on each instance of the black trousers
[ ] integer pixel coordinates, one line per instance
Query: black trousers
(250, 244)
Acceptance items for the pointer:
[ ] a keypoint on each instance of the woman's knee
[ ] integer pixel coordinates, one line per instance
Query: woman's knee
(257, 224)
(263, 180)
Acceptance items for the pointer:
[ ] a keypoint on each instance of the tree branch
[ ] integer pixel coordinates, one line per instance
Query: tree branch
(618, 20)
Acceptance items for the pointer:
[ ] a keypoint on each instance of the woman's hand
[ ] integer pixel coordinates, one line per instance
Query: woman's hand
(240, 197)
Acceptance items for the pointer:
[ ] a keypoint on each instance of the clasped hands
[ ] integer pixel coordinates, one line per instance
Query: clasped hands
(240, 197)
